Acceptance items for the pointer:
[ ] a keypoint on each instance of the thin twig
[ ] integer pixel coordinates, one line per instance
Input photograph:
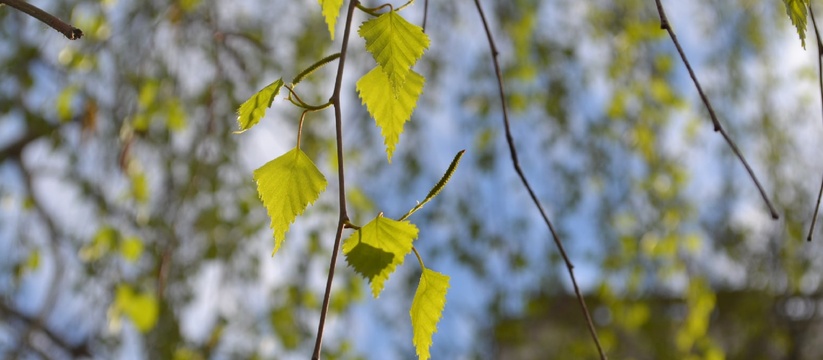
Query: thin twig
(664, 24)
(344, 217)
(820, 84)
(71, 32)
(425, 13)
(516, 163)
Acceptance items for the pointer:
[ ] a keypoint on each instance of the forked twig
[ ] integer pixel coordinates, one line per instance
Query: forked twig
(344, 217)
(71, 32)
(664, 24)
(820, 83)
(516, 163)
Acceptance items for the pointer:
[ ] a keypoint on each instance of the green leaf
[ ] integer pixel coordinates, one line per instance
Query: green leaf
(427, 306)
(250, 113)
(331, 9)
(131, 248)
(142, 309)
(395, 44)
(287, 185)
(390, 112)
(796, 9)
(376, 249)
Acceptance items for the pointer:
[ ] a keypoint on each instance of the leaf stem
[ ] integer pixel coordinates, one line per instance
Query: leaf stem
(344, 217)
(374, 11)
(820, 84)
(419, 259)
(297, 101)
(535, 200)
(664, 24)
(71, 32)
(300, 127)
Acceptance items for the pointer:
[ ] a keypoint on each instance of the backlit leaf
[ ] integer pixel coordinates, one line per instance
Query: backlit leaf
(331, 9)
(141, 308)
(390, 112)
(250, 113)
(427, 306)
(395, 44)
(376, 249)
(796, 9)
(287, 185)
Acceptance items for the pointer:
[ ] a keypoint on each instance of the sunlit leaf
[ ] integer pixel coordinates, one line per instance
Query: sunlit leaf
(131, 248)
(796, 9)
(250, 113)
(102, 242)
(395, 44)
(141, 308)
(331, 9)
(376, 249)
(287, 186)
(427, 307)
(390, 113)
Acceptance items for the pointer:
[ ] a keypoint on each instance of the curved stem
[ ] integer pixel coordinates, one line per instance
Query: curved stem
(300, 127)
(664, 24)
(419, 259)
(344, 217)
(516, 163)
(820, 84)
(374, 11)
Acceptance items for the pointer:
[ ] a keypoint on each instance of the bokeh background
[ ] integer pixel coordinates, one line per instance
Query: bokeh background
(130, 226)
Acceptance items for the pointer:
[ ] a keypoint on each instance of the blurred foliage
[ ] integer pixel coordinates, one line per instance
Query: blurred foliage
(130, 221)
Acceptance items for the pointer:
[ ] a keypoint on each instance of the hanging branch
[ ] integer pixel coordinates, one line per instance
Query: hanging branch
(344, 217)
(516, 163)
(71, 32)
(820, 84)
(664, 24)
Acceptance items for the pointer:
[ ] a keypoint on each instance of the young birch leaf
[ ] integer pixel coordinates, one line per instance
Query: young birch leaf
(376, 249)
(250, 113)
(427, 306)
(287, 185)
(796, 9)
(390, 113)
(331, 9)
(395, 44)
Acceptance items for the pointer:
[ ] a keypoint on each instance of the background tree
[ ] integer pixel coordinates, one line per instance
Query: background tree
(131, 224)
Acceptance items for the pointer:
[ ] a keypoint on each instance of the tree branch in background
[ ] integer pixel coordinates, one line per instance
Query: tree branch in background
(820, 84)
(516, 163)
(75, 350)
(344, 217)
(664, 24)
(71, 32)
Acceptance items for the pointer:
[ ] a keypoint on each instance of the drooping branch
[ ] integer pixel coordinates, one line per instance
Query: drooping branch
(664, 24)
(820, 85)
(526, 184)
(344, 217)
(71, 32)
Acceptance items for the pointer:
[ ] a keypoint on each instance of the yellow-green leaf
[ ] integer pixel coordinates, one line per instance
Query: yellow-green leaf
(395, 44)
(390, 112)
(103, 241)
(141, 308)
(250, 113)
(376, 249)
(331, 9)
(287, 185)
(131, 248)
(796, 9)
(427, 306)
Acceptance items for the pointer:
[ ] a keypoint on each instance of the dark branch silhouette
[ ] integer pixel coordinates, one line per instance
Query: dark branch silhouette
(344, 217)
(820, 84)
(516, 163)
(664, 24)
(71, 32)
